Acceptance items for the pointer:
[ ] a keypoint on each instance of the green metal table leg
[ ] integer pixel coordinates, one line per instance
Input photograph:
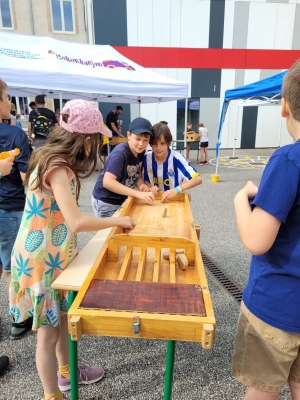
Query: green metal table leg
(73, 359)
(169, 369)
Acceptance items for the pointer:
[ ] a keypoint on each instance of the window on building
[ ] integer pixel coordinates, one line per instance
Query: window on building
(5, 14)
(62, 12)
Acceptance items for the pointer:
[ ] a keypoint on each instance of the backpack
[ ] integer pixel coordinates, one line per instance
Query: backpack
(41, 125)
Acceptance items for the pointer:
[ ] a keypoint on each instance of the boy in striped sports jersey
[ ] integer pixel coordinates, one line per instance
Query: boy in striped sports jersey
(165, 169)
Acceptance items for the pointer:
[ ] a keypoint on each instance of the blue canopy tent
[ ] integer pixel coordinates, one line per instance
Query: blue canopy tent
(267, 90)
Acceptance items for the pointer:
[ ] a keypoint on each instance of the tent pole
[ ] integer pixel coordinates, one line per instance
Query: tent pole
(235, 139)
(185, 124)
(139, 108)
(280, 125)
(60, 101)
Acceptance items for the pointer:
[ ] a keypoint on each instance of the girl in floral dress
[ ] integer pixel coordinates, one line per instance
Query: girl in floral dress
(47, 241)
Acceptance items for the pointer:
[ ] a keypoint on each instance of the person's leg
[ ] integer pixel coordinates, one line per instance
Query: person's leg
(102, 209)
(295, 389)
(255, 394)
(188, 148)
(202, 155)
(205, 154)
(47, 339)
(62, 346)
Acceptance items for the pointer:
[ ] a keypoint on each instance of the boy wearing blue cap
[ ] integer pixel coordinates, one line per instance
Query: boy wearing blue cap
(123, 172)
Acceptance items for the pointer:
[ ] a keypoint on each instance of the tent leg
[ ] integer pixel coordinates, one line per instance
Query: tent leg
(233, 157)
(60, 101)
(185, 124)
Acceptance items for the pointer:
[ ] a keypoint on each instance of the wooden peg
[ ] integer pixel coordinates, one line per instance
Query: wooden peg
(165, 212)
(182, 261)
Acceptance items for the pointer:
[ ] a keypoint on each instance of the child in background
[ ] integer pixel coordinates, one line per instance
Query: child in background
(267, 344)
(18, 121)
(203, 135)
(123, 172)
(165, 169)
(189, 129)
(47, 240)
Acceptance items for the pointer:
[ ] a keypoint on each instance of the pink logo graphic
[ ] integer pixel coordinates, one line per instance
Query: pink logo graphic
(111, 64)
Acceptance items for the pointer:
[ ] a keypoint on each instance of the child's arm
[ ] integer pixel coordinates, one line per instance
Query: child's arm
(77, 222)
(169, 194)
(258, 229)
(110, 182)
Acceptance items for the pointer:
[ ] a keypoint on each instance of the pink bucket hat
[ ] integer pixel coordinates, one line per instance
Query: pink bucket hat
(84, 117)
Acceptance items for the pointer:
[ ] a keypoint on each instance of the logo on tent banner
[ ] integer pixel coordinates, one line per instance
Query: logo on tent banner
(19, 53)
(110, 64)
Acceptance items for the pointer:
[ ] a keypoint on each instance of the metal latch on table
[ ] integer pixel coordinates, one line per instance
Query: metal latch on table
(136, 325)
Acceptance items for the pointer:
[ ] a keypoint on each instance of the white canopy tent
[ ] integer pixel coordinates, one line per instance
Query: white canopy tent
(32, 65)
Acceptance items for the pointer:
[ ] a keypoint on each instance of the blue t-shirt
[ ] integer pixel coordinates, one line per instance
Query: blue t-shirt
(12, 193)
(126, 167)
(273, 289)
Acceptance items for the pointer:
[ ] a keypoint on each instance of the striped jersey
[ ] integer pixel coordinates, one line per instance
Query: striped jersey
(174, 171)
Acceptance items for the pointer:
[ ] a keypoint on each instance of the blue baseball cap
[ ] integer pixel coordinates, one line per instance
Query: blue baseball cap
(140, 125)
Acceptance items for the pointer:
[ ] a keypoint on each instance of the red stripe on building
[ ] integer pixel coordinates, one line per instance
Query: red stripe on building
(174, 57)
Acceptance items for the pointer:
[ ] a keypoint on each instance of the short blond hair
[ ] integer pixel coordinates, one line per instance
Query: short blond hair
(3, 86)
(291, 89)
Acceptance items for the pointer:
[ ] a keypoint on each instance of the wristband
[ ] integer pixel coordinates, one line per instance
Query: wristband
(178, 189)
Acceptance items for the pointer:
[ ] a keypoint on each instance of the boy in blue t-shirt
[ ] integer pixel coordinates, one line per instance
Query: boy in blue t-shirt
(12, 195)
(267, 344)
(123, 172)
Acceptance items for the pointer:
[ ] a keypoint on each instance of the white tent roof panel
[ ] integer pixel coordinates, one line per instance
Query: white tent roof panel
(33, 65)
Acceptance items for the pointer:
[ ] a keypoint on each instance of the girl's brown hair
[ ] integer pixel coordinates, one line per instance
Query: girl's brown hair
(161, 130)
(65, 149)
(200, 125)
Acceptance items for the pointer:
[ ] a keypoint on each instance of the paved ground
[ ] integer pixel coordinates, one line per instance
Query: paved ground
(135, 368)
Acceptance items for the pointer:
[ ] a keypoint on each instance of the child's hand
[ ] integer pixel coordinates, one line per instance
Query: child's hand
(148, 196)
(168, 195)
(6, 165)
(126, 223)
(154, 190)
(250, 189)
(144, 188)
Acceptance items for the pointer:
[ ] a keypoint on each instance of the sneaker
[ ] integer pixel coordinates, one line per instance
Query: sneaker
(65, 397)
(18, 330)
(86, 375)
(4, 362)
(201, 163)
(205, 162)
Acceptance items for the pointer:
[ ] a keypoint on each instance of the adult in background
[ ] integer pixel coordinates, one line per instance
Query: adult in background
(112, 121)
(12, 195)
(13, 119)
(32, 105)
(40, 110)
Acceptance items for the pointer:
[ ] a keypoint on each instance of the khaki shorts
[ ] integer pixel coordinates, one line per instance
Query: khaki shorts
(264, 357)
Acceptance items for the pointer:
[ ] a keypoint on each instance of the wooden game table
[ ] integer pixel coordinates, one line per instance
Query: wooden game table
(178, 144)
(114, 141)
(149, 283)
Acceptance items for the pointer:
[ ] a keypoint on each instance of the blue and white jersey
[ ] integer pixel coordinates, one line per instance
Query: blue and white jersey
(174, 171)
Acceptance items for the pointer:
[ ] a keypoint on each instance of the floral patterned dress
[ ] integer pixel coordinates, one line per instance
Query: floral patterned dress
(43, 249)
